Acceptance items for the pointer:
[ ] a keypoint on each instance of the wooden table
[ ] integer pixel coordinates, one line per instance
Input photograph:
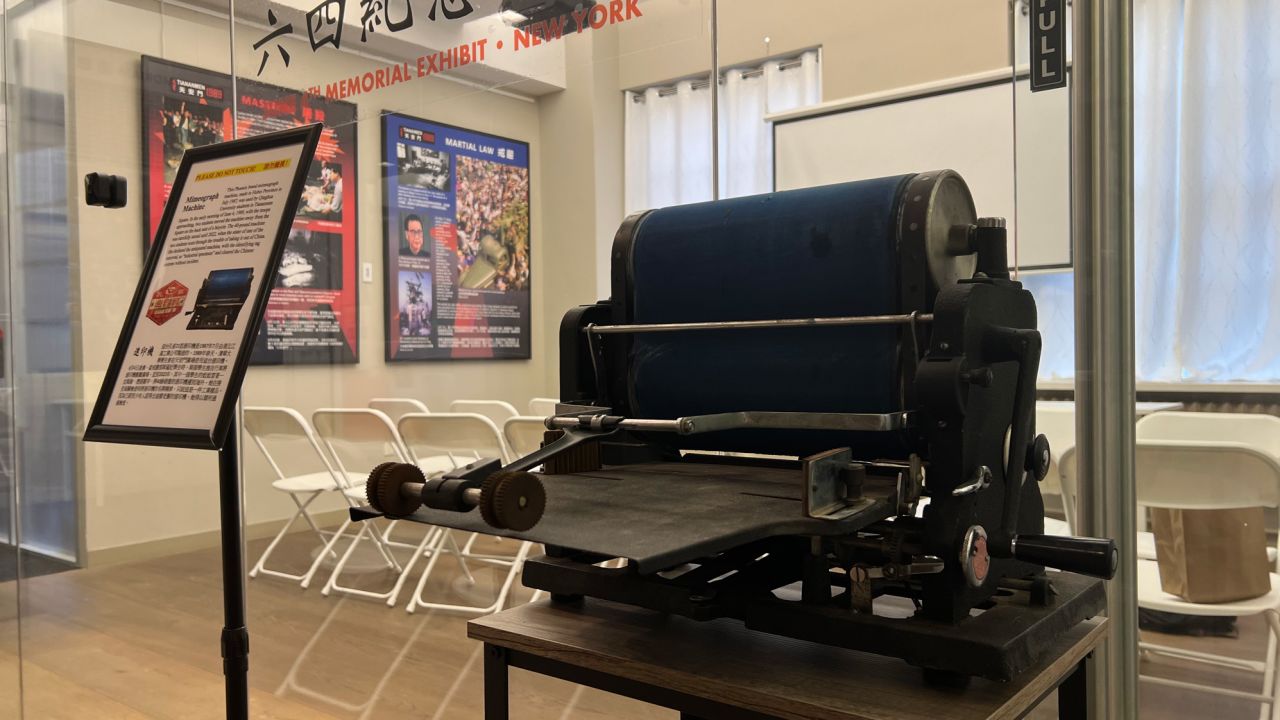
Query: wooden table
(719, 669)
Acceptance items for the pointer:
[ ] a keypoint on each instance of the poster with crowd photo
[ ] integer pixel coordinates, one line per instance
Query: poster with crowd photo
(312, 316)
(456, 238)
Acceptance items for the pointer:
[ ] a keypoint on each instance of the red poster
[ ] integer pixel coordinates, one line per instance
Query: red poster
(312, 316)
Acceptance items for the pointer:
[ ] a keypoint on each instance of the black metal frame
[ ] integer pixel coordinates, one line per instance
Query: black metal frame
(962, 418)
(204, 438)
(235, 635)
(1072, 687)
(1006, 639)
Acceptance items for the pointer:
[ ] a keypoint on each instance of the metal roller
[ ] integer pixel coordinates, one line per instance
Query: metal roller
(871, 248)
(508, 500)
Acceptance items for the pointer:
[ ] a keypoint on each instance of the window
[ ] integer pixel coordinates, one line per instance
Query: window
(1207, 199)
(668, 132)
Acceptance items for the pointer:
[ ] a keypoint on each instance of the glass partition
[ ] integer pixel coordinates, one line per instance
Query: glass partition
(477, 160)
(468, 199)
(98, 632)
(37, 127)
(1206, 208)
(464, 196)
(10, 657)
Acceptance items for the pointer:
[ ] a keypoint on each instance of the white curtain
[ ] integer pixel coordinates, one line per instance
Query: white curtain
(668, 147)
(1207, 196)
(668, 134)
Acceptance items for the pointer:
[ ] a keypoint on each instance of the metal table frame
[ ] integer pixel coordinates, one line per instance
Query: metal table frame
(1073, 688)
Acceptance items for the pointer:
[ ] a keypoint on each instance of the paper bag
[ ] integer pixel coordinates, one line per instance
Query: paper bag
(1212, 556)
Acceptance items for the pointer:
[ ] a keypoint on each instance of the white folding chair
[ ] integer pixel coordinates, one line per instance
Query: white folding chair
(283, 435)
(358, 439)
(524, 434)
(463, 437)
(496, 410)
(396, 407)
(1210, 475)
(1057, 423)
(1144, 544)
(543, 407)
(1261, 432)
(1201, 475)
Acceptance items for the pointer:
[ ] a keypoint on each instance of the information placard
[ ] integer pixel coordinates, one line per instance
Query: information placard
(456, 239)
(177, 367)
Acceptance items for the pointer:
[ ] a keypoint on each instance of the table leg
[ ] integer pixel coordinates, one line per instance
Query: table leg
(1073, 694)
(495, 683)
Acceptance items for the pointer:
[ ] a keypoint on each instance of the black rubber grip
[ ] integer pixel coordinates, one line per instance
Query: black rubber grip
(1088, 556)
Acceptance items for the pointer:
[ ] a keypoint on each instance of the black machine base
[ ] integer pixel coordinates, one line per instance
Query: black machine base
(996, 643)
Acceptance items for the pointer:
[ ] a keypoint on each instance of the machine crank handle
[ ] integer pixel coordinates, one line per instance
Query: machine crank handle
(1096, 557)
(1023, 346)
(508, 500)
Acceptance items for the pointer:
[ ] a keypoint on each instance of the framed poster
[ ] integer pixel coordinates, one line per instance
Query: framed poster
(456, 268)
(177, 368)
(313, 314)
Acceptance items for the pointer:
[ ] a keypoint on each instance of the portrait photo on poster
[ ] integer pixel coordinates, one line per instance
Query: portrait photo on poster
(312, 317)
(456, 242)
(176, 371)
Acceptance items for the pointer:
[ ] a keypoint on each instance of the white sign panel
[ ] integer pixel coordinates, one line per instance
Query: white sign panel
(181, 355)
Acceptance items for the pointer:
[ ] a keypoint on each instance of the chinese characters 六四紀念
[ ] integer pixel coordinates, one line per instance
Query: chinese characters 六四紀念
(325, 22)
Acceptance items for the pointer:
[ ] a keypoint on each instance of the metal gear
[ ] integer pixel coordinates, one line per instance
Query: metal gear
(371, 486)
(518, 501)
(486, 499)
(383, 488)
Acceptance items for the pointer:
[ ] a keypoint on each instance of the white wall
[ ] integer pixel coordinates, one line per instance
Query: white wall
(867, 45)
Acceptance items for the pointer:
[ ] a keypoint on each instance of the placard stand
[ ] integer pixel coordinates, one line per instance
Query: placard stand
(174, 382)
(235, 635)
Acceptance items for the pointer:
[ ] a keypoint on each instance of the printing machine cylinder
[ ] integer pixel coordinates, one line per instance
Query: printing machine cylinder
(871, 247)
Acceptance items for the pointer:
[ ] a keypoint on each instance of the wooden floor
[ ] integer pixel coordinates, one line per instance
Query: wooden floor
(140, 641)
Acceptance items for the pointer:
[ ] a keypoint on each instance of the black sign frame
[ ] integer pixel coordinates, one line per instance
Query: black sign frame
(1048, 20)
(197, 438)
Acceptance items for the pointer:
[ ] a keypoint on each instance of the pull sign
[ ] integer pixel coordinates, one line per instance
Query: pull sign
(1048, 44)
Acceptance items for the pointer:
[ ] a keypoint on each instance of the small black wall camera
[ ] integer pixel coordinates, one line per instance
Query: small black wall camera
(110, 191)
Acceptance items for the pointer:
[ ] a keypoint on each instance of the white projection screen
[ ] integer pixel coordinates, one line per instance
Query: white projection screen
(966, 125)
